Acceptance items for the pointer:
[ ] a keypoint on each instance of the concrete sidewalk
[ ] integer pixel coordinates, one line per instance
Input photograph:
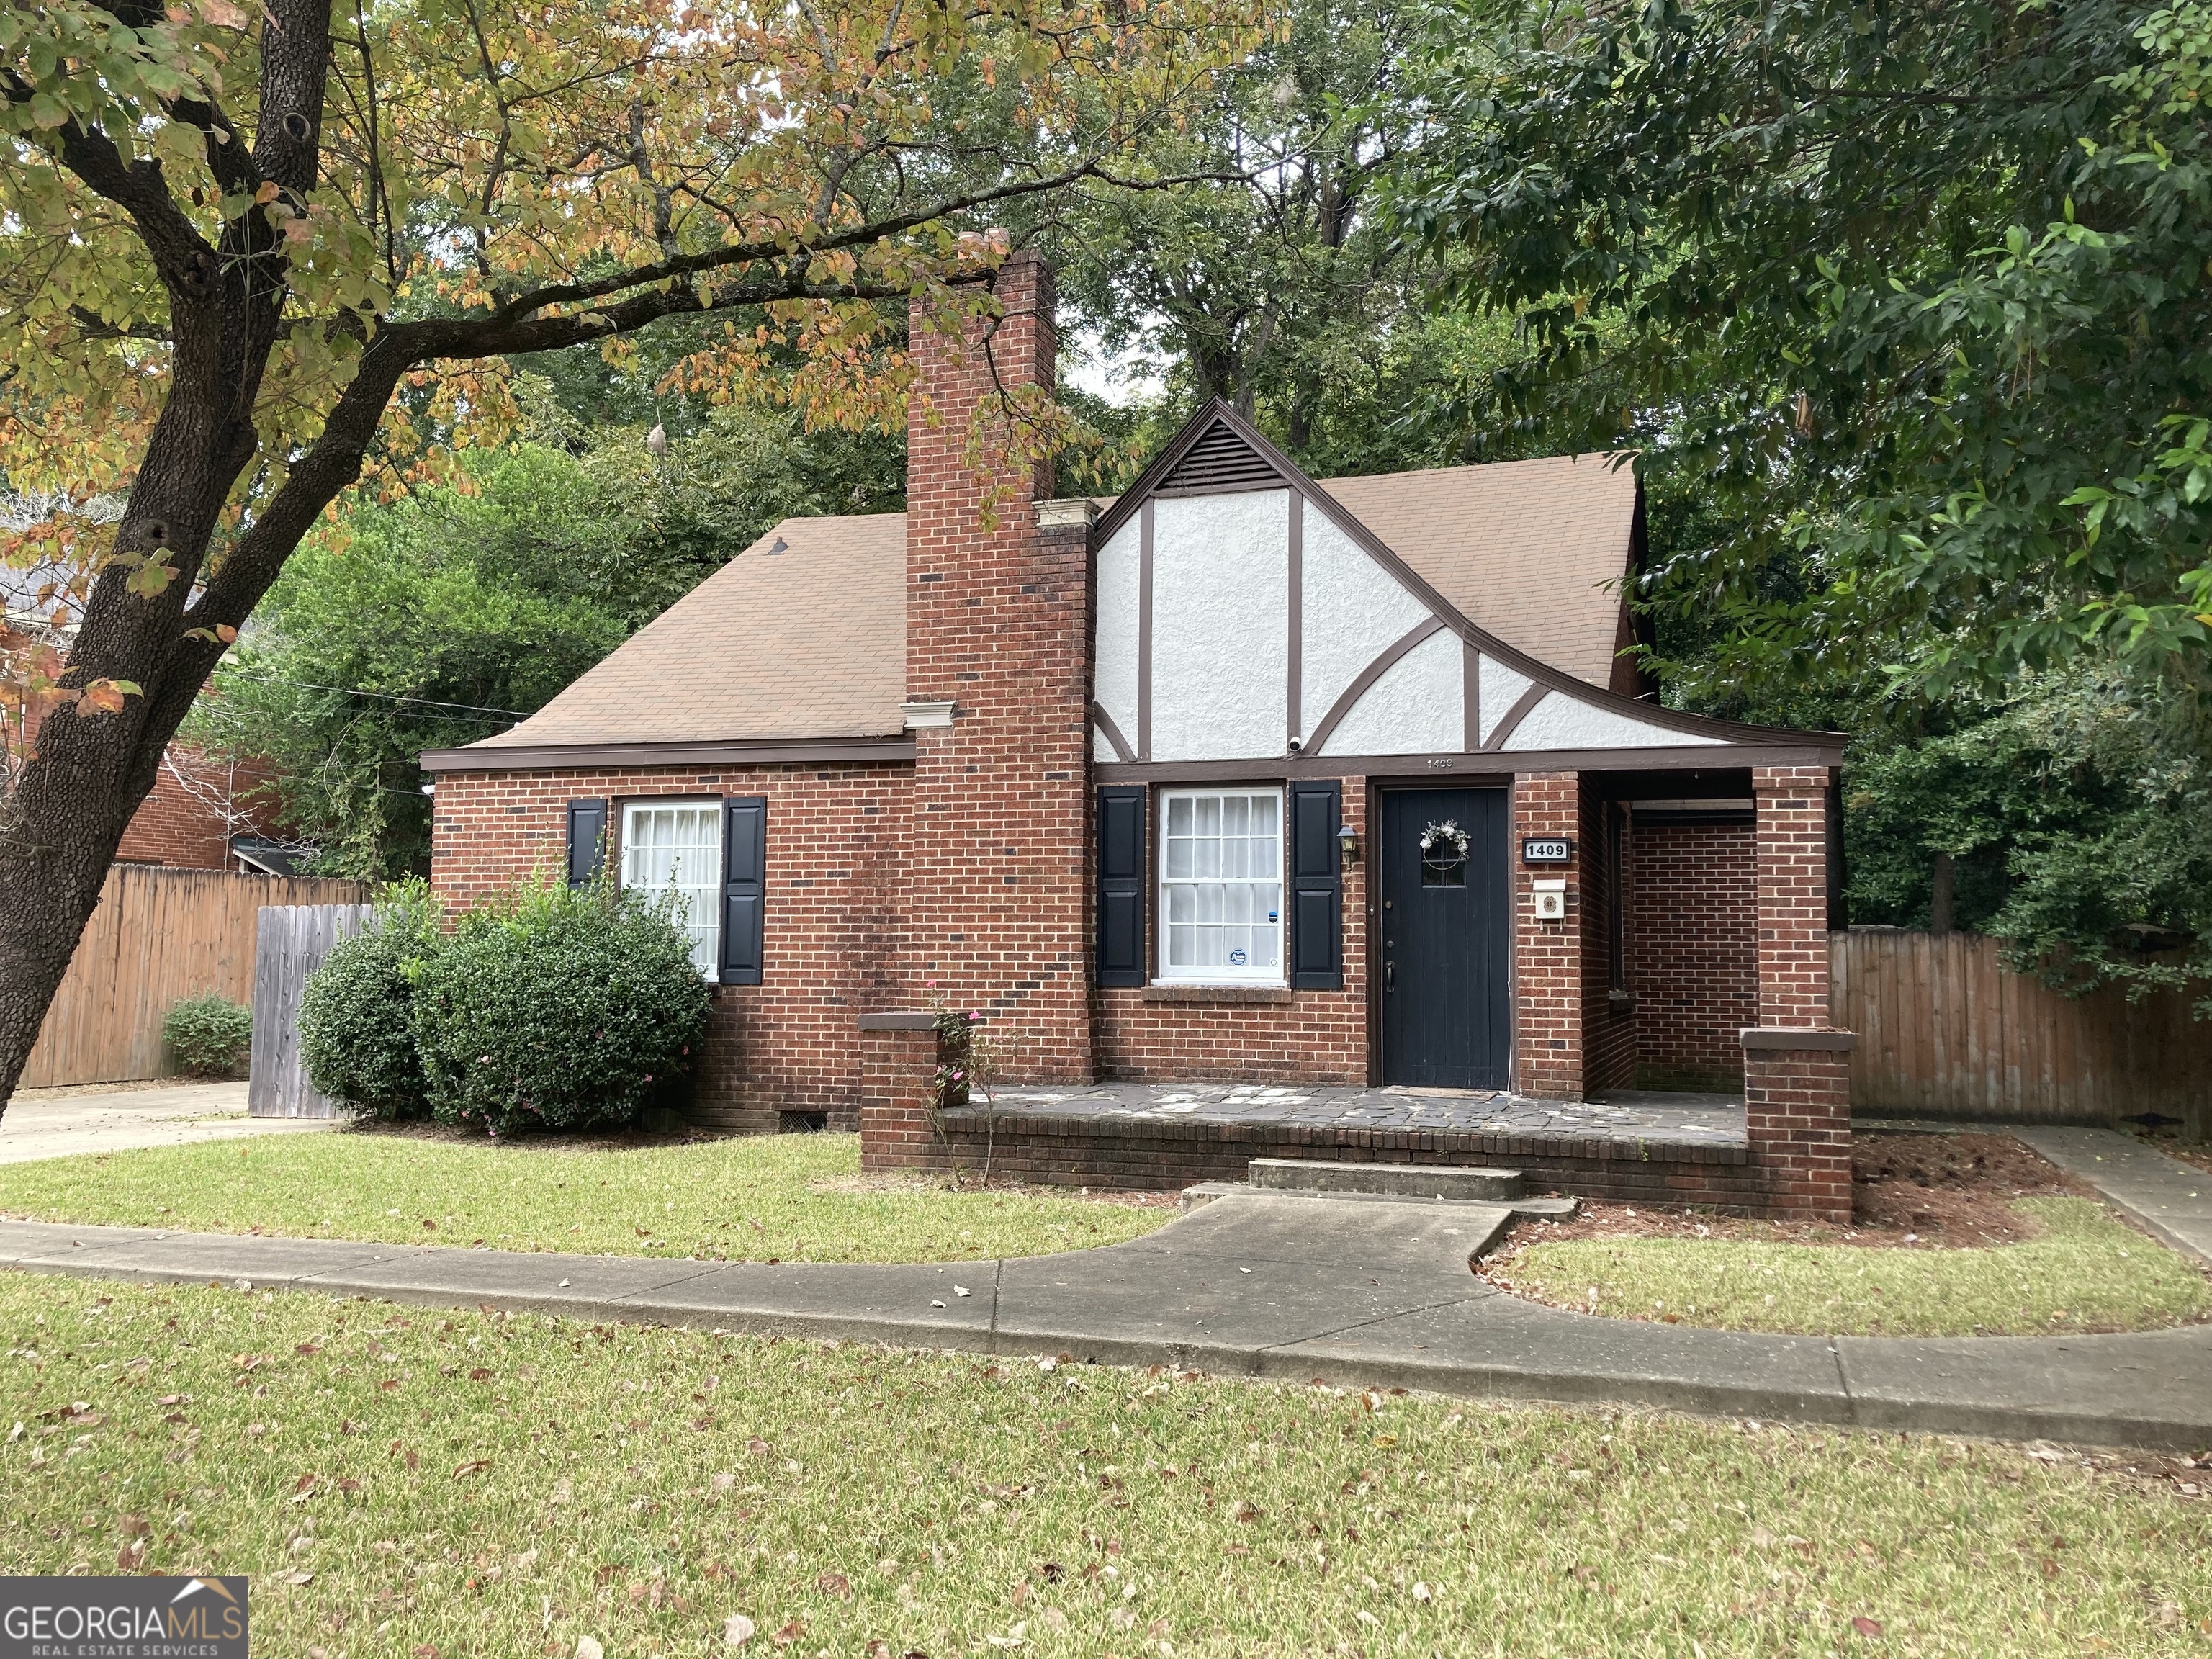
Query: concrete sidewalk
(1267, 1285)
(2171, 1199)
(61, 1123)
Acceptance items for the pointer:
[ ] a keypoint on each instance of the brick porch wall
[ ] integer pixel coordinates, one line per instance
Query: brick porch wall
(1166, 1035)
(1693, 951)
(1797, 1107)
(836, 838)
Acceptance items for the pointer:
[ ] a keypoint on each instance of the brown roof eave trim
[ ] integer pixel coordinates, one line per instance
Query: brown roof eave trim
(1489, 644)
(1474, 765)
(579, 757)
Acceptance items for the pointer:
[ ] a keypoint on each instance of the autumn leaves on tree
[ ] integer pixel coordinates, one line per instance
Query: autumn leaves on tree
(257, 255)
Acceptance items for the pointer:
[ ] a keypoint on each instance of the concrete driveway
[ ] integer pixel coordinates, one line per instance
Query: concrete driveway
(60, 1122)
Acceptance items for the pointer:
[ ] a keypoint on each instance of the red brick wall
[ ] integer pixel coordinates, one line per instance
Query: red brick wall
(1547, 955)
(175, 825)
(1159, 1035)
(997, 891)
(1693, 951)
(835, 842)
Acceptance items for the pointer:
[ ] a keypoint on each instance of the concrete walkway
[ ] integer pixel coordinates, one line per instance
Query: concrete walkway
(58, 1124)
(1271, 1284)
(2171, 1199)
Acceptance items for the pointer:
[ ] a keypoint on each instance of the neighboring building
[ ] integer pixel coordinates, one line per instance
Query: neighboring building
(1242, 774)
(205, 813)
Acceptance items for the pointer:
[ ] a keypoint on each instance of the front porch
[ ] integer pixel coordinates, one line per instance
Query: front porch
(1632, 1146)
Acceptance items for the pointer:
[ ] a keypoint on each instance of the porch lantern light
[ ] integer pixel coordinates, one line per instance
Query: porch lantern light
(1347, 844)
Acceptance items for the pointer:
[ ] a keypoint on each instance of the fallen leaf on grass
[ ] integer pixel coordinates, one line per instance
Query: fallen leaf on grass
(587, 1647)
(473, 1466)
(834, 1583)
(479, 1374)
(790, 1633)
(736, 1631)
(301, 1578)
(306, 1347)
(1866, 1626)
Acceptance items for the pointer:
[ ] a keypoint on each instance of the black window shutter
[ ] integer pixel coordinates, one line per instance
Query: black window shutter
(745, 887)
(1317, 916)
(587, 840)
(1121, 885)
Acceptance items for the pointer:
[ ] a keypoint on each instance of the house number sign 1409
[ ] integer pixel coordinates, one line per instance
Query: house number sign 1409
(1543, 850)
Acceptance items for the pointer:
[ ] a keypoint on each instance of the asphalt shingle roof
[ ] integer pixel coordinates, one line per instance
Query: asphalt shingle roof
(803, 634)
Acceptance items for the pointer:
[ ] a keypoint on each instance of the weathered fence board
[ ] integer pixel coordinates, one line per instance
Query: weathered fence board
(294, 940)
(1945, 1032)
(158, 936)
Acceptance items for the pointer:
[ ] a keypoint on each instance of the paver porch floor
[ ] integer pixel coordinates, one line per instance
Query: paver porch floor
(1630, 1116)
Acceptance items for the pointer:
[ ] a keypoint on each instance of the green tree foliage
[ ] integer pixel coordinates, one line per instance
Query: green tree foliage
(2075, 816)
(561, 1008)
(440, 618)
(1919, 291)
(1269, 282)
(1905, 308)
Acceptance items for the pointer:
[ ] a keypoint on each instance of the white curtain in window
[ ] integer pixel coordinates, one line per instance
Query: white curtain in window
(1221, 888)
(679, 847)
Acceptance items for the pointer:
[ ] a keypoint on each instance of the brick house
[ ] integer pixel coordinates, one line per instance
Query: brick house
(1338, 785)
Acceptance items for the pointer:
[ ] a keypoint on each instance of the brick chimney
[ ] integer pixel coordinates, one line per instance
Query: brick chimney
(996, 902)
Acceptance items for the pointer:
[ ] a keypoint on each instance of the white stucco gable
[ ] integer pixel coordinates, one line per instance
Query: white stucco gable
(1242, 615)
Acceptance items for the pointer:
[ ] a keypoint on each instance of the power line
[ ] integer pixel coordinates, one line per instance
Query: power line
(387, 697)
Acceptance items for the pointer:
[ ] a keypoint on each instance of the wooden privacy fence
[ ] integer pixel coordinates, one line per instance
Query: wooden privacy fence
(1945, 1032)
(158, 936)
(295, 940)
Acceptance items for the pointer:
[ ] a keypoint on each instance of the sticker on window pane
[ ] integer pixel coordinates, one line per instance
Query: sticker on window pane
(1236, 958)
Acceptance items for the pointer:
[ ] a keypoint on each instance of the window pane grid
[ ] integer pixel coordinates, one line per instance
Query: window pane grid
(680, 847)
(1221, 891)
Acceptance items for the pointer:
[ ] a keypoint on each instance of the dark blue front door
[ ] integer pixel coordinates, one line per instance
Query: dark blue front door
(1447, 993)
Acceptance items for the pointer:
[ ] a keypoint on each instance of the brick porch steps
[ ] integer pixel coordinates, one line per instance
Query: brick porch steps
(1065, 1146)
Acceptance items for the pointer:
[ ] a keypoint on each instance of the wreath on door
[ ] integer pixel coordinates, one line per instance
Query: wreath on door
(1443, 846)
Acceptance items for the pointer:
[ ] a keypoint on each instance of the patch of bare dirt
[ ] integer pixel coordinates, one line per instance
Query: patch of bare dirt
(1932, 1191)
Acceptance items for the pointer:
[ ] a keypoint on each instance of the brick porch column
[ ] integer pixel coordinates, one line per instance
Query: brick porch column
(1547, 955)
(898, 1060)
(1797, 1066)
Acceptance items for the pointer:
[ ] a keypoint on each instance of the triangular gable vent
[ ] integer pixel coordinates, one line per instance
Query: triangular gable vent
(1220, 461)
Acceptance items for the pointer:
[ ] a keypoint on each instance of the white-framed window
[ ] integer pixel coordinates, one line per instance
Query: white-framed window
(678, 844)
(1221, 885)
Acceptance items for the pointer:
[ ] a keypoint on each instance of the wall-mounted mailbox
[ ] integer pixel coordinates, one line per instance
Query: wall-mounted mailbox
(1550, 899)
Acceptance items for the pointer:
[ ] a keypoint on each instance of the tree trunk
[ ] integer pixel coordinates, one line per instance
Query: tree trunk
(1939, 906)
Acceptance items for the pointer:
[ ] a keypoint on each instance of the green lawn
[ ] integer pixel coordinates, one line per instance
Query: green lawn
(403, 1483)
(789, 1198)
(2083, 1271)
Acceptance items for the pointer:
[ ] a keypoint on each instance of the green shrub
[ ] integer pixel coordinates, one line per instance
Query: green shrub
(208, 1035)
(561, 1008)
(357, 1014)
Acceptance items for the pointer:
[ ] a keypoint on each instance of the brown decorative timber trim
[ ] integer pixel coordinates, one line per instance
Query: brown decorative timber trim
(1788, 1038)
(1105, 722)
(1471, 766)
(579, 756)
(1513, 717)
(1152, 480)
(1470, 668)
(1383, 663)
(1144, 635)
(1295, 686)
